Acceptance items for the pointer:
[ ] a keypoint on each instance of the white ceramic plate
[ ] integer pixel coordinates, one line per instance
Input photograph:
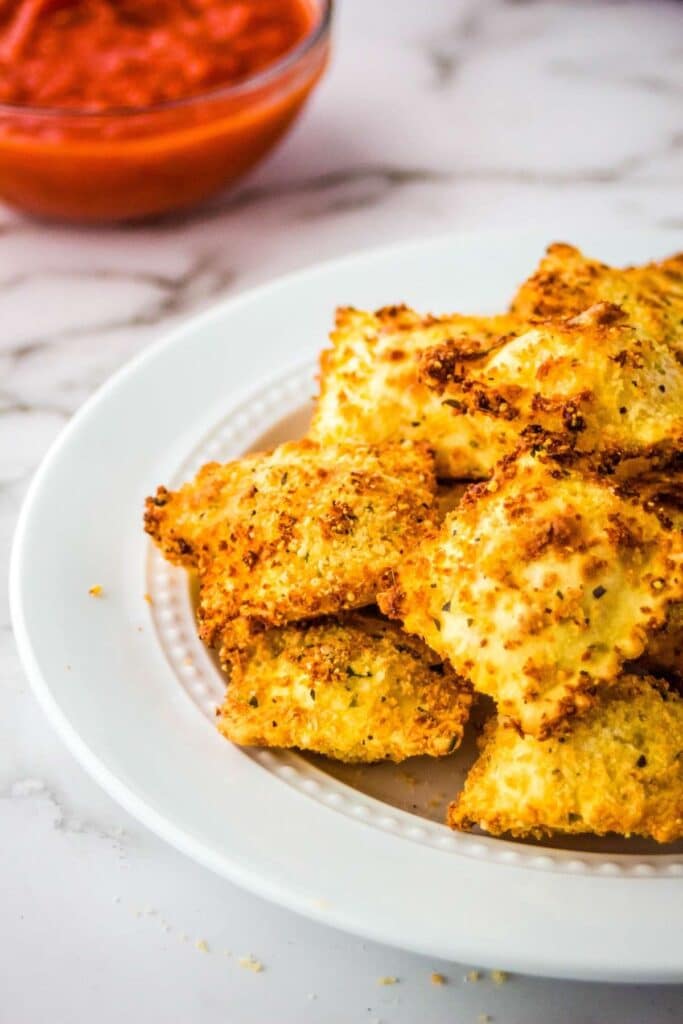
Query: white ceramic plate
(132, 691)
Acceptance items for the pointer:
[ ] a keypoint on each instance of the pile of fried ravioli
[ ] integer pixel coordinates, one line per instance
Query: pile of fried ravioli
(482, 506)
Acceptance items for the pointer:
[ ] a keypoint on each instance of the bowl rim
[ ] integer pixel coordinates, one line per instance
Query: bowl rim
(266, 76)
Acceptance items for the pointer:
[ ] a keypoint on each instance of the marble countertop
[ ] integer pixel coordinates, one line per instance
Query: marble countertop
(448, 115)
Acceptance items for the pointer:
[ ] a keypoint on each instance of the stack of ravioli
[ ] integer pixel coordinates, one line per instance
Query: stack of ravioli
(483, 506)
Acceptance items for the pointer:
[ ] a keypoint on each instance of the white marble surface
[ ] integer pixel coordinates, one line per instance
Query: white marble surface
(435, 116)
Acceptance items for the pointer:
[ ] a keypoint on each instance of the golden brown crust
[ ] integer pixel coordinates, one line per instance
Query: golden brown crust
(356, 689)
(539, 586)
(473, 386)
(619, 769)
(178, 520)
(371, 388)
(299, 532)
(594, 378)
(567, 282)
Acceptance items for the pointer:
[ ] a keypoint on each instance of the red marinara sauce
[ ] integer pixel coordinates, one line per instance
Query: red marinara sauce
(115, 109)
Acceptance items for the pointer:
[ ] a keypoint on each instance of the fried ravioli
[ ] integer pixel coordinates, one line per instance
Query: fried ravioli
(358, 689)
(299, 532)
(371, 386)
(567, 282)
(539, 586)
(595, 378)
(618, 770)
(474, 386)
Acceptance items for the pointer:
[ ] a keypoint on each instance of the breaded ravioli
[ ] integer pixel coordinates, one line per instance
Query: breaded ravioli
(595, 378)
(371, 386)
(356, 689)
(298, 532)
(540, 584)
(618, 770)
(567, 282)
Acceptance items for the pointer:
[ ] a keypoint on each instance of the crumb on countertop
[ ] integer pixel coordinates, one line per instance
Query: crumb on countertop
(387, 979)
(436, 978)
(148, 598)
(484, 1018)
(499, 977)
(250, 963)
(473, 976)
(202, 945)
(96, 590)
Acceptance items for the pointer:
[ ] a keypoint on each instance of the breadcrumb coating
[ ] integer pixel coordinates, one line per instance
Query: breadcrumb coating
(358, 689)
(539, 586)
(295, 533)
(619, 769)
(567, 282)
(594, 378)
(474, 386)
(372, 389)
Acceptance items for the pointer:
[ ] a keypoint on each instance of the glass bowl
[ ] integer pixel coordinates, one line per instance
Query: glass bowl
(132, 163)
